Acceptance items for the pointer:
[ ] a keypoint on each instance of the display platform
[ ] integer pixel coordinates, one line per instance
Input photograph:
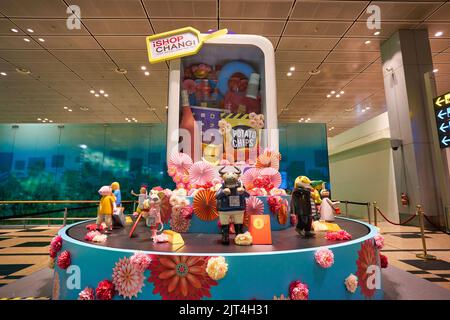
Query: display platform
(254, 272)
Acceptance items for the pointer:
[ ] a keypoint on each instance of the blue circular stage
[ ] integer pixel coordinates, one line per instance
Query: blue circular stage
(254, 272)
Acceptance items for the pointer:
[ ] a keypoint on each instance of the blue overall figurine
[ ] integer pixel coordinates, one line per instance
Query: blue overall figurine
(231, 200)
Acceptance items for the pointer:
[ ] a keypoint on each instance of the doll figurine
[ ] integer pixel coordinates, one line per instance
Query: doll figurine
(231, 203)
(105, 208)
(328, 207)
(152, 212)
(115, 186)
(142, 196)
(317, 186)
(302, 205)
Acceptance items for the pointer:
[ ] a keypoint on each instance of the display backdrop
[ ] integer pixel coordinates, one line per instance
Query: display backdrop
(51, 162)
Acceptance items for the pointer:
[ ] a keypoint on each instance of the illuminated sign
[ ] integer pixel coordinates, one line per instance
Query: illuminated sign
(177, 43)
(443, 126)
(442, 101)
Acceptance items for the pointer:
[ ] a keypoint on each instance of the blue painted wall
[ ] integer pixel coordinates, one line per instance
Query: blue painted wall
(47, 162)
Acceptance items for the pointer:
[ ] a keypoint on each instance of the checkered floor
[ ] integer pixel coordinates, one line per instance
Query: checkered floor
(23, 252)
(402, 243)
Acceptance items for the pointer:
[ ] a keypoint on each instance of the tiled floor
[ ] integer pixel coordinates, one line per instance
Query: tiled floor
(402, 243)
(23, 251)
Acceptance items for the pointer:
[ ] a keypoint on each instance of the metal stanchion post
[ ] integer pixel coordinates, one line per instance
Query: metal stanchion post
(368, 212)
(375, 214)
(423, 255)
(65, 217)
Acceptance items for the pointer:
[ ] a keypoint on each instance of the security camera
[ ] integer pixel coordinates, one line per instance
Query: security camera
(396, 143)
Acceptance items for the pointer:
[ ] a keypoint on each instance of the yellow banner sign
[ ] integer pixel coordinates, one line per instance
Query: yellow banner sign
(177, 43)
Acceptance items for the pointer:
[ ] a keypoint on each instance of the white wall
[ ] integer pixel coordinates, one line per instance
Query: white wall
(361, 167)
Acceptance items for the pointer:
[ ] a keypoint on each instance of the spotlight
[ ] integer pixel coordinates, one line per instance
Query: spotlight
(438, 34)
(328, 95)
(101, 91)
(41, 39)
(435, 70)
(92, 91)
(338, 96)
(292, 68)
(3, 73)
(14, 30)
(106, 95)
(30, 30)
(97, 95)
(376, 33)
(333, 92)
(289, 74)
(147, 73)
(26, 39)
(143, 68)
(367, 42)
(342, 92)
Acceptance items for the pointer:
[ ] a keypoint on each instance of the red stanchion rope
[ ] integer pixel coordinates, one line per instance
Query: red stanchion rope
(392, 222)
(434, 225)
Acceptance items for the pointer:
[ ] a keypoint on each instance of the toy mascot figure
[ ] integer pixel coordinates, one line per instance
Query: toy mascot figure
(317, 186)
(142, 196)
(152, 212)
(231, 203)
(328, 208)
(302, 205)
(118, 216)
(105, 208)
(115, 186)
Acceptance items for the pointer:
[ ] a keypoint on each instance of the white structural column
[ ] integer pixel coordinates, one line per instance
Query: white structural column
(406, 58)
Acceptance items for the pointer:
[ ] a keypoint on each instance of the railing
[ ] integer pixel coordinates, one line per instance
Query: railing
(66, 210)
(366, 204)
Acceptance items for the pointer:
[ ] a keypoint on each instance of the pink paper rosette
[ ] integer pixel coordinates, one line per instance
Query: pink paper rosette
(324, 257)
(201, 173)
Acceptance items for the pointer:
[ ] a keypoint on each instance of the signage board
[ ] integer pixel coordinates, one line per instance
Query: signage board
(442, 115)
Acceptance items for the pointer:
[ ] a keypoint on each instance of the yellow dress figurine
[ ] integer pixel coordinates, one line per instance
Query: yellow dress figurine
(105, 208)
(317, 185)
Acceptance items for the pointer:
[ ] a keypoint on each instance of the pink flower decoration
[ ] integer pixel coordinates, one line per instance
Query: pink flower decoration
(273, 175)
(249, 176)
(90, 235)
(254, 206)
(86, 294)
(340, 235)
(127, 280)
(187, 212)
(298, 291)
(52, 253)
(324, 257)
(257, 192)
(140, 261)
(105, 290)
(56, 243)
(64, 260)
(351, 283)
(383, 261)
(379, 241)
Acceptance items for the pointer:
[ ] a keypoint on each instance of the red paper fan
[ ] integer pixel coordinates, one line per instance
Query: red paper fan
(205, 205)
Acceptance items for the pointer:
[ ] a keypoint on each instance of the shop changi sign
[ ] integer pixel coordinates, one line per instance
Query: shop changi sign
(177, 43)
(442, 113)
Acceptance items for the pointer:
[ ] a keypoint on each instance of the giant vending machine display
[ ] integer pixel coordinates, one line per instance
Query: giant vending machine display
(222, 101)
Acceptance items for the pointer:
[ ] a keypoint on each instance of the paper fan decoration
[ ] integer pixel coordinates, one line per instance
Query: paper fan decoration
(253, 206)
(201, 172)
(166, 209)
(181, 161)
(282, 214)
(205, 205)
(273, 174)
(268, 159)
(249, 176)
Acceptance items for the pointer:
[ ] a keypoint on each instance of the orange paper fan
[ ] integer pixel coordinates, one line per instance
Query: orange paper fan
(269, 159)
(205, 205)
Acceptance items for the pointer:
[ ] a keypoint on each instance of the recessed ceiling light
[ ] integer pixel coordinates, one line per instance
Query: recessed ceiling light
(338, 95)
(65, 108)
(102, 91)
(367, 108)
(50, 120)
(84, 108)
(367, 42)
(3, 73)
(342, 92)
(332, 128)
(133, 119)
(26, 39)
(30, 30)
(129, 120)
(92, 91)
(14, 30)
(97, 95)
(143, 68)
(167, 107)
(120, 70)
(126, 119)
(328, 95)
(45, 119)
(435, 70)
(39, 119)
(292, 68)
(363, 110)
(147, 73)
(438, 34)
(289, 74)
(376, 33)
(23, 70)
(41, 39)
(106, 95)
(333, 92)
(83, 146)
(70, 110)
(314, 72)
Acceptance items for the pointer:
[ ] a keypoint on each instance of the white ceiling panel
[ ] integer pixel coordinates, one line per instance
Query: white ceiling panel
(68, 42)
(118, 26)
(261, 27)
(44, 27)
(316, 28)
(328, 10)
(250, 9)
(33, 8)
(198, 9)
(110, 9)
(162, 25)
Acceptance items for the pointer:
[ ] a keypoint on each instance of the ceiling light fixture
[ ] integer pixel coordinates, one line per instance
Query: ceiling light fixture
(23, 70)
(50, 120)
(342, 92)
(143, 68)
(102, 91)
(367, 108)
(70, 110)
(26, 39)
(167, 107)
(363, 110)
(147, 73)
(97, 95)
(367, 42)
(41, 39)
(14, 30)
(65, 108)
(3, 73)
(289, 74)
(338, 96)
(120, 70)
(106, 95)
(438, 34)
(435, 70)
(39, 119)
(92, 91)
(376, 33)
(84, 108)
(30, 30)
(314, 72)
(328, 95)
(292, 68)
(333, 92)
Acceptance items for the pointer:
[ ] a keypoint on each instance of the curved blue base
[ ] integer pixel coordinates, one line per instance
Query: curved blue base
(252, 275)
